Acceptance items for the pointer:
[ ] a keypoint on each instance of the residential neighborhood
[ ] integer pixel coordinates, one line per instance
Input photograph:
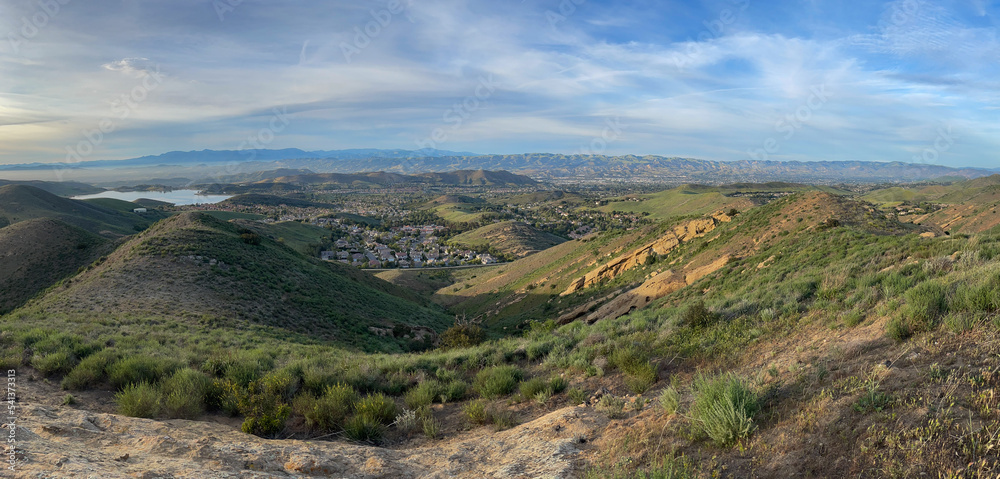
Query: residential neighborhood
(399, 247)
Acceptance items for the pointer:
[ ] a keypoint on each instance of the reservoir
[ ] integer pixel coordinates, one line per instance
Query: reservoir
(177, 197)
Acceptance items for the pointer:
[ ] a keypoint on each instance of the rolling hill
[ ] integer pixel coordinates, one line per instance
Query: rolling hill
(37, 253)
(194, 268)
(19, 203)
(384, 179)
(510, 237)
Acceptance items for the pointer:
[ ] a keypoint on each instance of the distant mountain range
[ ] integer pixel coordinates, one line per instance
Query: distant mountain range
(209, 166)
(215, 157)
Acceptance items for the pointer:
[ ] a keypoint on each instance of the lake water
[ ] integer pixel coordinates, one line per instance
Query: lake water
(177, 197)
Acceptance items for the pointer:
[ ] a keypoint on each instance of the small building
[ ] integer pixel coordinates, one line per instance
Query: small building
(139, 210)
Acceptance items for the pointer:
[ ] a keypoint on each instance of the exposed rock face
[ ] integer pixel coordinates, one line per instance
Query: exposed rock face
(65, 442)
(654, 288)
(667, 243)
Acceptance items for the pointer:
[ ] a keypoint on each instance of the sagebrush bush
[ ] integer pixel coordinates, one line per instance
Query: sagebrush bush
(423, 395)
(328, 412)
(363, 428)
(184, 394)
(475, 412)
(724, 407)
(924, 304)
(670, 400)
(454, 391)
(462, 336)
(137, 369)
(264, 407)
(697, 315)
(59, 362)
(139, 400)
(378, 407)
(90, 371)
(497, 381)
(530, 388)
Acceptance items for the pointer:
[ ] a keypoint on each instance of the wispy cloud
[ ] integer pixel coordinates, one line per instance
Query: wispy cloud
(682, 91)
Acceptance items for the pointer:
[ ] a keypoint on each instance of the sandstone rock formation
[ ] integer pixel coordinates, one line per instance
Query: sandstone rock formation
(664, 245)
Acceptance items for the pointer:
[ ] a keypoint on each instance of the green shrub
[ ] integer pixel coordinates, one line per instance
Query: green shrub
(184, 394)
(697, 315)
(264, 406)
(530, 388)
(577, 396)
(378, 407)
(328, 412)
(462, 336)
(136, 369)
(475, 413)
(59, 362)
(454, 391)
(723, 408)
(90, 370)
(670, 400)
(431, 427)
(497, 381)
(558, 384)
(423, 395)
(225, 395)
(139, 400)
(924, 304)
(363, 428)
(898, 329)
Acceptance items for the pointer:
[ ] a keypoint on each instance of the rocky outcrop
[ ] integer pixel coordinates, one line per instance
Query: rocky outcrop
(664, 245)
(654, 288)
(66, 442)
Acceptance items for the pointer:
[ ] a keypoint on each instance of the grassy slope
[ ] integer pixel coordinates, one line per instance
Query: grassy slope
(294, 234)
(35, 254)
(509, 237)
(266, 284)
(681, 201)
(19, 203)
(803, 316)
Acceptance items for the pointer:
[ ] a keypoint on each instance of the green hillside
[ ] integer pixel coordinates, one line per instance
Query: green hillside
(194, 269)
(509, 238)
(19, 203)
(37, 253)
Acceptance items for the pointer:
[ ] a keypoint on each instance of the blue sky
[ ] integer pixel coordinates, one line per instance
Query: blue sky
(907, 80)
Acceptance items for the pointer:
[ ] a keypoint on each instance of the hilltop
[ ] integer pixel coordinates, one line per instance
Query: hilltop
(509, 238)
(194, 268)
(20, 202)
